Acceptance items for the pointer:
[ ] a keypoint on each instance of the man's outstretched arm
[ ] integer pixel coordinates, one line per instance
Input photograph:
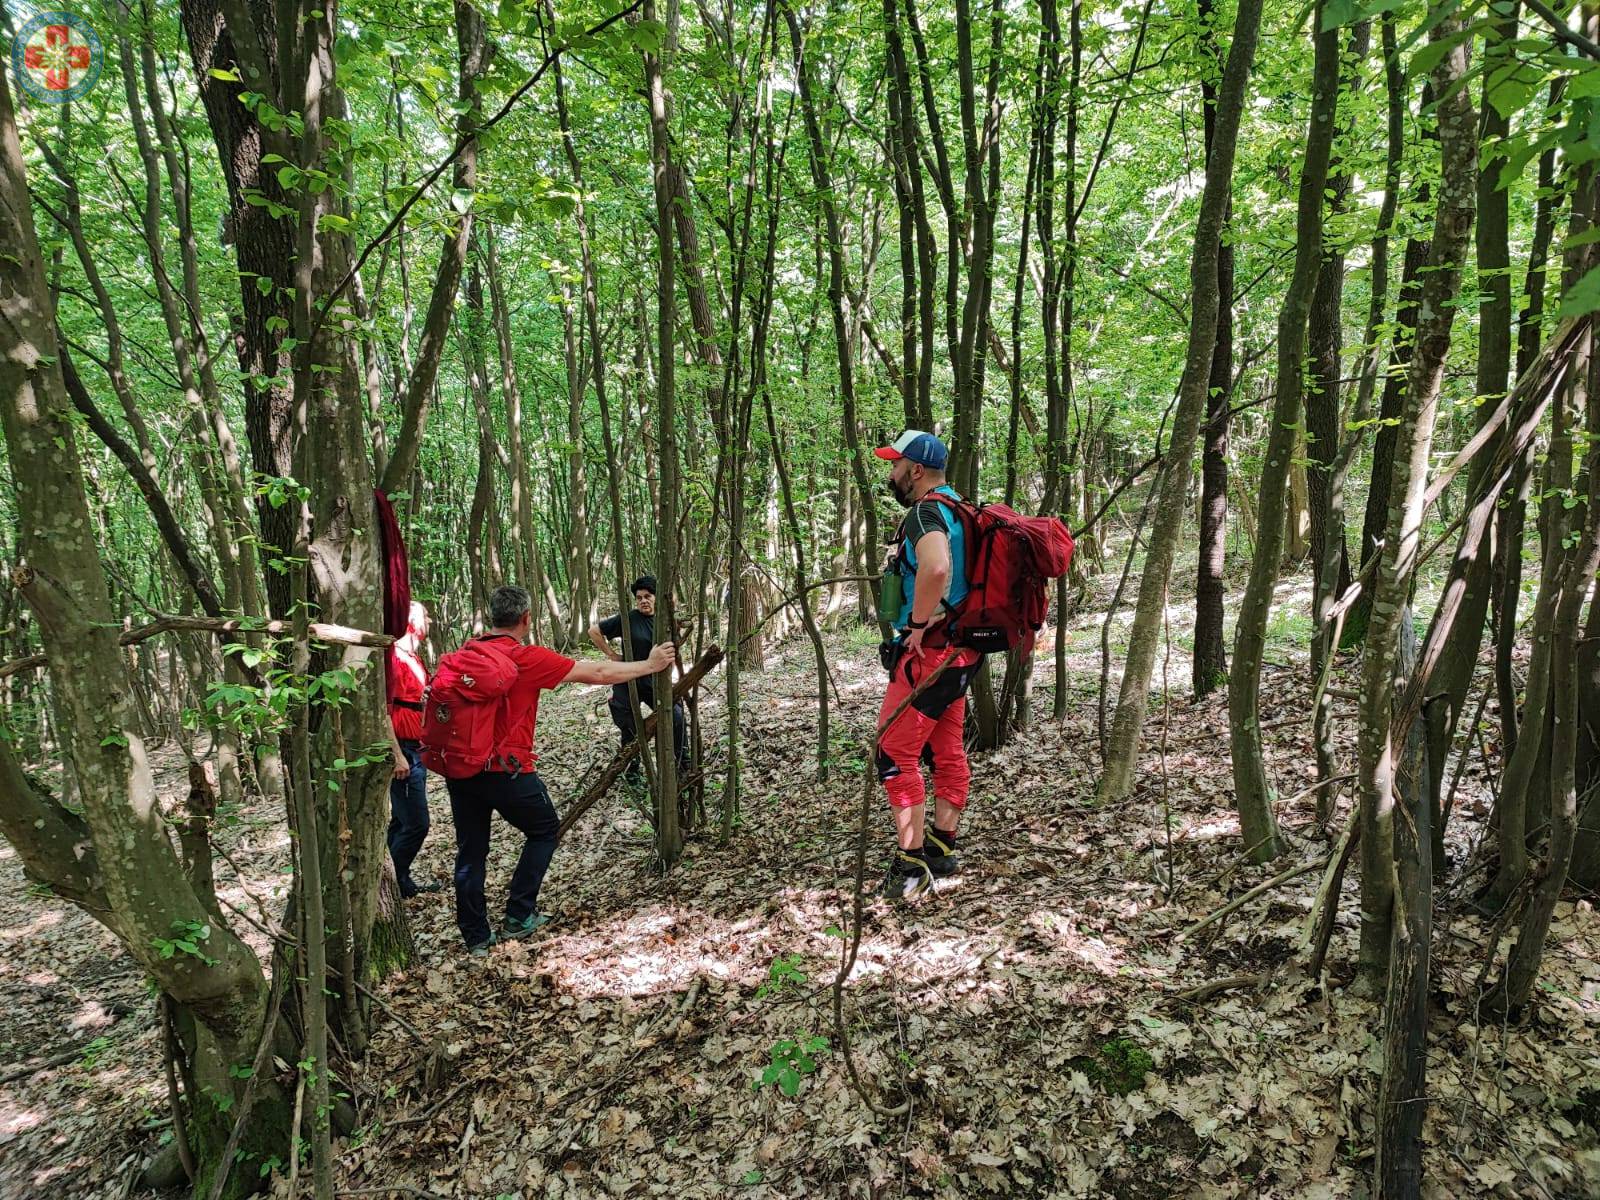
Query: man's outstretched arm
(589, 671)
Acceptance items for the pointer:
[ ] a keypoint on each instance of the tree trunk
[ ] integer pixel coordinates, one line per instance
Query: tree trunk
(1253, 793)
(821, 176)
(1470, 571)
(115, 860)
(1511, 514)
(669, 836)
(1576, 575)
(1325, 493)
(1402, 1093)
(1210, 660)
(1397, 567)
(1123, 751)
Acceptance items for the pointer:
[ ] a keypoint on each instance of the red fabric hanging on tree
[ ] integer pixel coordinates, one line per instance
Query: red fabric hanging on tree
(396, 583)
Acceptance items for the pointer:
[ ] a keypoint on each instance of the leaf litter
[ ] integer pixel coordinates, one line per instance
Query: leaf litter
(621, 1051)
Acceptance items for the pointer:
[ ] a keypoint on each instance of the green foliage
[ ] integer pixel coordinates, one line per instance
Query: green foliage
(189, 937)
(783, 974)
(1120, 1066)
(92, 1052)
(792, 1060)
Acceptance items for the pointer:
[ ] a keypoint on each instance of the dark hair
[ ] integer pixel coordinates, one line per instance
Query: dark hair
(507, 606)
(645, 583)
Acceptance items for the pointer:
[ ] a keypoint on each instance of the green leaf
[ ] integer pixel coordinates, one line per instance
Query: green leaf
(224, 73)
(1585, 84)
(1431, 55)
(1586, 238)
(1336, 13)
(1511, 87)
(648, 36)
(461, 199)
(1582, 297)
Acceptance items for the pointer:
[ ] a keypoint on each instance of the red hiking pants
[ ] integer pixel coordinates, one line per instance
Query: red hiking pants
(929, 728)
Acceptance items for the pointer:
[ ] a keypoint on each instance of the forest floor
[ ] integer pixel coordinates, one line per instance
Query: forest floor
(620, 1052)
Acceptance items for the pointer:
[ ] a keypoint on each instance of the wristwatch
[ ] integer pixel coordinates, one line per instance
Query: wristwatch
(916, 624)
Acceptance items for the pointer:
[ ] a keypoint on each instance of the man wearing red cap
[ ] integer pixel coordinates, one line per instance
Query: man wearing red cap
(929, 572)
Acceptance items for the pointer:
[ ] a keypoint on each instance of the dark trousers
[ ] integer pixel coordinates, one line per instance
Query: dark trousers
(408, 816)
(525, 804)
(622, 718)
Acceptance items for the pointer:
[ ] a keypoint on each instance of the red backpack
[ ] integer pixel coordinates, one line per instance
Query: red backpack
(461, 708)
(1009, 560)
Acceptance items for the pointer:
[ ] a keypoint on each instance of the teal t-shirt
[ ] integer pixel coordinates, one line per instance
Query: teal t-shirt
(929, 516)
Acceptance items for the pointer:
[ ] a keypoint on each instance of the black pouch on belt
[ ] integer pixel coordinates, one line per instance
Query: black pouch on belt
(890, 654)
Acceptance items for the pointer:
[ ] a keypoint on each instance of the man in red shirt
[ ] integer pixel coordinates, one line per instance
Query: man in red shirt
(520, 797)
(408, 790)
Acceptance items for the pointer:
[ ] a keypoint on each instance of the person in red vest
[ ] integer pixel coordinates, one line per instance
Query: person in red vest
(930, 577)
(511, 786)
(408, 790)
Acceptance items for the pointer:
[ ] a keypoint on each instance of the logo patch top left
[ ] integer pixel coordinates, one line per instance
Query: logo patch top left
(56, 57)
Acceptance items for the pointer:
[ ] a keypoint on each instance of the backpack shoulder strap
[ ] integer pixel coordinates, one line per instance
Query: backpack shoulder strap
(966, 511)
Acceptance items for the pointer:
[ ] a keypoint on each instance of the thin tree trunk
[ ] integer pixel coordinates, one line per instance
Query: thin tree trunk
(1325, 348)
(1397, 567)
(1511, 514)
(1253, 794)
(669, 836)
(1470, 572)
(1577, 570)
(1123, 750)
(1210, 661)
(822, 178)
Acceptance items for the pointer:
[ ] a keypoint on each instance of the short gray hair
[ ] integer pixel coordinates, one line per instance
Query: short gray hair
(507, 606)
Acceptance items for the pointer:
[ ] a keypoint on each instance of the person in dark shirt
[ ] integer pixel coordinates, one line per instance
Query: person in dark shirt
(641, 639)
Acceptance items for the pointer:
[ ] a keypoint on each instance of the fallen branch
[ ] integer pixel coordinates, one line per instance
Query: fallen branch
(422, 1117)
(619, 762)
(1207, 990)
(1281, 878)
(55, 1060)
(340, 635)
(393, 1016)
(1318, 786)
(1325, 907)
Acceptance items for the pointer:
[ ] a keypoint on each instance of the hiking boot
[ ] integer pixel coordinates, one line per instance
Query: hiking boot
(943, 861)
(515, 927)
(481, 949)
(910, 874)
(424, 889)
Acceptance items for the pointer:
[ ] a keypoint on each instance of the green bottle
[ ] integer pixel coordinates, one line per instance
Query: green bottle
(891, 595)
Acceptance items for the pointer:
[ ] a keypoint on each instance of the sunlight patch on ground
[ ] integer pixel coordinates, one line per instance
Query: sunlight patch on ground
(15, 1119)
(47, 919)
(1198, 829)
(649, 952)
